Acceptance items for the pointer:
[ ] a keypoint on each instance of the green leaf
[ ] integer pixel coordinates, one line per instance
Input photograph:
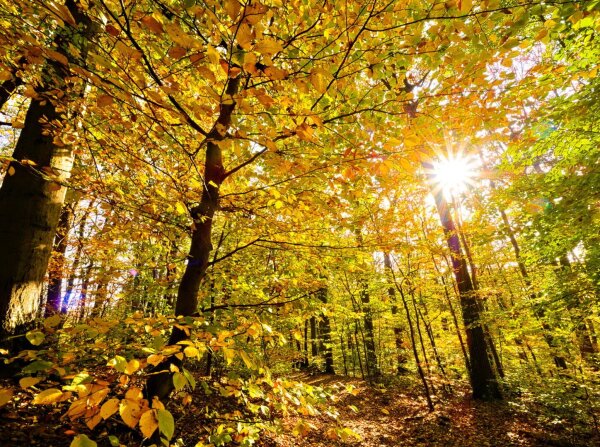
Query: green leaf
(166, 423)
(114, 441)
(83, 441)
(38, 365)
(35, 337)
(179, 381)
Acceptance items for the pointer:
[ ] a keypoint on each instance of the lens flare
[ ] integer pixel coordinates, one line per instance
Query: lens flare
(454, 173)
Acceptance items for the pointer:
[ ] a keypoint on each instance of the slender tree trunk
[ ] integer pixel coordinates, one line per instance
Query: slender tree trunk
(314, 349)
(413, 343)
(399, 331)
(64, 308)
(326, 334)
(55, 281)
(30, 202)
(160, 384)
(483, 377)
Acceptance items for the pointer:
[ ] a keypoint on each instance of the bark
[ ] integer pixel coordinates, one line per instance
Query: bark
(30, 203)
(160, 384)
(399, 331)
(413, 343)
(483, 377)
(326, 334)
(370, 352)
(64, 308)
(8, 87)
(55, 281)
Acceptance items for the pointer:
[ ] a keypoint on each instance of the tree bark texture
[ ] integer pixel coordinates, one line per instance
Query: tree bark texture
(30, 202)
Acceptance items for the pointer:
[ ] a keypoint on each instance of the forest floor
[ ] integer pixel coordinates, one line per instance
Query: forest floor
(376, 416)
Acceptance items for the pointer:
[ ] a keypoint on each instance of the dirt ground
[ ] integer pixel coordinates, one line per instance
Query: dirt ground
(373, 416)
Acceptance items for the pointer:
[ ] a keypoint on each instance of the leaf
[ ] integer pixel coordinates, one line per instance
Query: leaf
(155, 359)
(104, 100)
(268, 47)
(179, 381)
(132, 366)
(83, 441)
(180, 208)
(246, 359)
(153, 25)
(27, 382)
(465, 5)
(148, 423)
(166, 423)
(130, 412)
(6, 395)
(52, 321)
(11, 170)
(50, 396)
(229, 355)
(191, 351)
(35, 337)
(109, 408)
(244, 36)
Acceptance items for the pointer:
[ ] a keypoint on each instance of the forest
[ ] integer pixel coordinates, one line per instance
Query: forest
(299, 223)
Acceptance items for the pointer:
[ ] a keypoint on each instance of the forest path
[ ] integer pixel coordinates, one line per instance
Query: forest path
(400, 417)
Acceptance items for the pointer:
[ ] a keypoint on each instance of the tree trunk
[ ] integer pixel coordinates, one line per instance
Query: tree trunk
(399, 331)
(30, 203)
(8, 87)
(55, 281)
(326, 334)
(160, 384)
(483, 377)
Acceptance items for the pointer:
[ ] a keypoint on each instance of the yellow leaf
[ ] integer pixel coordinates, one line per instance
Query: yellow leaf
(384, 411)
(148, 423)
(50, 396)
(26, 382)
(268, 47)
(109, 408)
(232, 8)
(58, 57)
(132, 366)
(93, 419)
(465, 5)
(134, 393)
(5, 396)
(318, 81)
(155, 359)
(52, 321)
(229, 354)
(244, 36)
(130, 412)
(11, 170)
(191, 351)
(246, 359)
(180, 208)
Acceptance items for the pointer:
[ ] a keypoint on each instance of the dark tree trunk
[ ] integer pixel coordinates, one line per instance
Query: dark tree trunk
(483, 377)
(160, 384)
(8, 87)
(326, 334)
(30, 203)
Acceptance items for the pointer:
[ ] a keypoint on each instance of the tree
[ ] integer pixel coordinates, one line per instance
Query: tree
(31, 195)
